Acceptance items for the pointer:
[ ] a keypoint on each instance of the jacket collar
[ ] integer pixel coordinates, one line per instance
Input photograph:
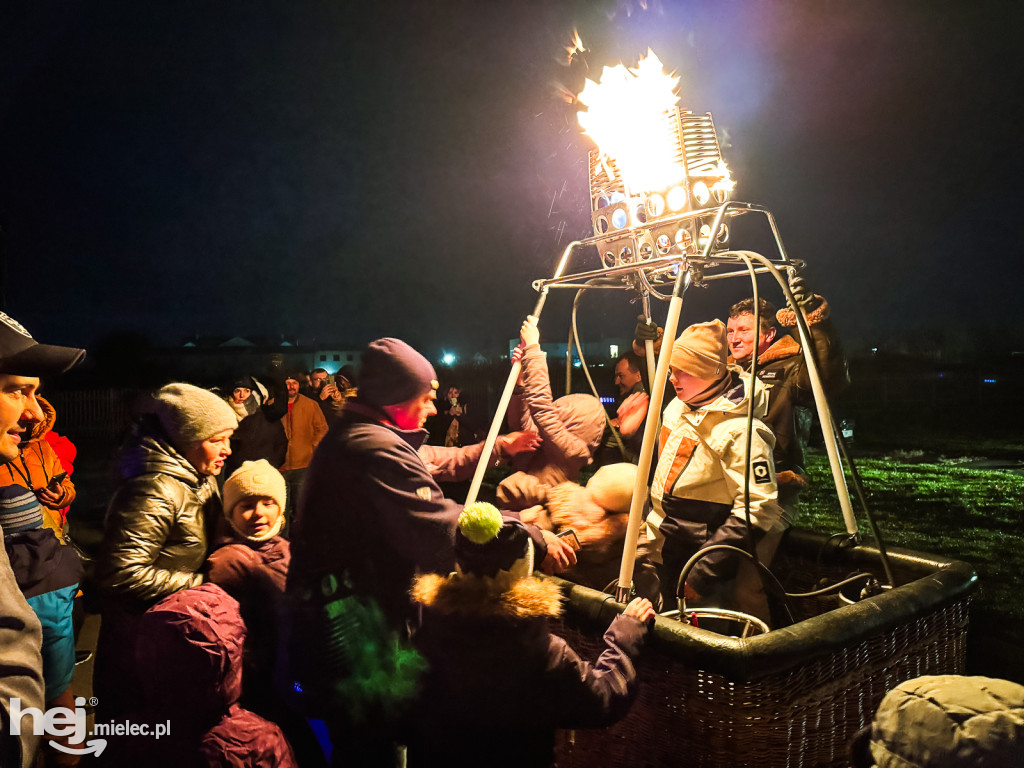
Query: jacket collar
(362, 411)
(526, 598)
(784, 346)
(734, 400)
(148, 451)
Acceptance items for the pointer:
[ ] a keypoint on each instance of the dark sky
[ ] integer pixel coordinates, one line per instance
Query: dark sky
(341, 171)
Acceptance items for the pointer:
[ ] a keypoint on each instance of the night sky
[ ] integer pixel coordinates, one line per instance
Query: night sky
(338, 171)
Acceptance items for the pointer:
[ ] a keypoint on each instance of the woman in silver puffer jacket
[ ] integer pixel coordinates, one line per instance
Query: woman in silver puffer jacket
(155, 529)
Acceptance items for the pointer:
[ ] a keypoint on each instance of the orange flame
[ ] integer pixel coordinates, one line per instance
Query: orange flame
(629, 115)
(576, 47)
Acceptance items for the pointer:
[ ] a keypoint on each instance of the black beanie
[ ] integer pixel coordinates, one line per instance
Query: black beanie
(392, 372)
(486, 543)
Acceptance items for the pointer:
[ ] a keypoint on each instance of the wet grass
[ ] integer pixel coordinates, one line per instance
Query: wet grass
(943, 508)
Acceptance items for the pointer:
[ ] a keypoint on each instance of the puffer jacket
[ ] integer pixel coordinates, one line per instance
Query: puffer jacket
(500, 683)
(570, 430)
(188, 649)
(255, 574)
(37, 464)
(155, 529)
(373, 508)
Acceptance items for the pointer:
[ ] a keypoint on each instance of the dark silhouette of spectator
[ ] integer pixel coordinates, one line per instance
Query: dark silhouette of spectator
(499, 682)
(260, 433)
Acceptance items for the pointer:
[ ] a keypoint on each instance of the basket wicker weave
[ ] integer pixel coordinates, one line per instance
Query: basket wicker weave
(792, 697)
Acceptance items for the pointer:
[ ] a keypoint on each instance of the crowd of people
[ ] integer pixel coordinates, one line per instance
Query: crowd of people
(272, 558)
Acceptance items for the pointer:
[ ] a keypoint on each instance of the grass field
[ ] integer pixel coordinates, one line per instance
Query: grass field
(942, 507)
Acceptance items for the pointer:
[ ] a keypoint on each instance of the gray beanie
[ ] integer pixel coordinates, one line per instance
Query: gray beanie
(191, 414)
(392, 372)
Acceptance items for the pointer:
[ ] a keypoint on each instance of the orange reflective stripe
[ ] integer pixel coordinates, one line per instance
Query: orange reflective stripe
(683, 455)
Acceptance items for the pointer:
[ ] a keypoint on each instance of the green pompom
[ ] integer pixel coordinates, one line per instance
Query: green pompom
(480, 522)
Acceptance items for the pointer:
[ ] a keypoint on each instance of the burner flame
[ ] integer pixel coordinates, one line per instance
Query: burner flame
(576, 47)
(630, 114)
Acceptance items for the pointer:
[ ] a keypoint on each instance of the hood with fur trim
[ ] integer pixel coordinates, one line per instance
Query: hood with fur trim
(524, 599)
(39, 428)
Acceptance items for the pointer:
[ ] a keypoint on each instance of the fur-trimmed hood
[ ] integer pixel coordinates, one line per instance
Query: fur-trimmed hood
(524, 599)
(39, 429)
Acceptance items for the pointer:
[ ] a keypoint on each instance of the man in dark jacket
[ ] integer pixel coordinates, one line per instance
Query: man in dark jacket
(373, 516)
(630, 414)
(783, 371)
(22, 361)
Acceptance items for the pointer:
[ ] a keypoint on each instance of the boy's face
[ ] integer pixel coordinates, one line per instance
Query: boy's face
(687, 386)
(255, 515)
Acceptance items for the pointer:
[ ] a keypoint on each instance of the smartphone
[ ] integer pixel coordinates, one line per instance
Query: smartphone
(570, 535)
(56, 480)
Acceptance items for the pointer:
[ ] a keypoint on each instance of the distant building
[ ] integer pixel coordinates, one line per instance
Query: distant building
(601, 349)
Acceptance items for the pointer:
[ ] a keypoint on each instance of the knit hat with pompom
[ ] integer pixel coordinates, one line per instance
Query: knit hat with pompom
(487, 545)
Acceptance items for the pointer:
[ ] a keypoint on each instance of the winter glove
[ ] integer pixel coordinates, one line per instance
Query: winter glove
(643, 332)
(804, 296)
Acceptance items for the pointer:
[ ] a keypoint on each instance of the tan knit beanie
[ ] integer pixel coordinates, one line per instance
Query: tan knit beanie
(254, 478)
(702, 351)
(191, 414)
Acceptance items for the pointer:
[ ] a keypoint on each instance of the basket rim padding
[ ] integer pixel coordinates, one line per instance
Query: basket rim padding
(936, 582)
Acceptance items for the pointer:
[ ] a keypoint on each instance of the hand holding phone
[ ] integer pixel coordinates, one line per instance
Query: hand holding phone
(571, 539)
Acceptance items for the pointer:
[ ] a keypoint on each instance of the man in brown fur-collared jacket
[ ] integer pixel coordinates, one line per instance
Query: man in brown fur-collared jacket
(783, 371)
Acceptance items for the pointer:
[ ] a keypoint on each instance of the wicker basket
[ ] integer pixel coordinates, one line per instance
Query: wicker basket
(792, 697)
